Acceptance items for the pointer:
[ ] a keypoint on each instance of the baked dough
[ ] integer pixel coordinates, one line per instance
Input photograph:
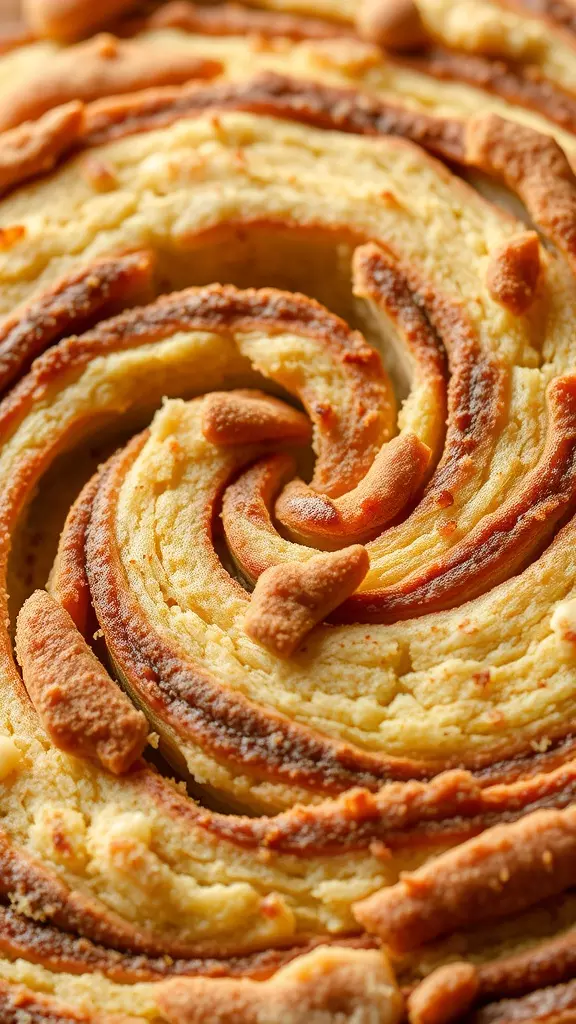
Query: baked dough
(295, 466)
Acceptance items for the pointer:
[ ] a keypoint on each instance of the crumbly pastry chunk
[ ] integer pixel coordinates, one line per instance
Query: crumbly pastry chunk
(287, 487)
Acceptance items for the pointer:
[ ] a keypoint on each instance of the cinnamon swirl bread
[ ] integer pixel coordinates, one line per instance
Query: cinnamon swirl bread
(287, 497)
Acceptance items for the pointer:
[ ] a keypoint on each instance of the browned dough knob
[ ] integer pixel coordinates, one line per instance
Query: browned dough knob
(71, 19)
(395, 24)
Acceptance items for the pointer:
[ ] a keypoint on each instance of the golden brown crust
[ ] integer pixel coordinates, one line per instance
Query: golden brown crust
(444, 996)
(513, 271)
(81, 708)
(326, 986)
(546, 963)
(36, 147)
(308, 102)
(290, 599)
(381, 279)
(550, 1006)
(515, 83)
(450, 808)
(103, 66)
(59, 951)
(395, 24)
(503, 871)
(391, 483)
(69, 307)
(19, 1005)
(68, 583)
(230, 19)
(246, 417)
(67, 20)
(555, 12)
(243, 734)
(534, 167)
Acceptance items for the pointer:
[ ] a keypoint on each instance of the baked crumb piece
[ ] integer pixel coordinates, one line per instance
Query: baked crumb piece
(444, 996)
(290, 599)
(513, 271)
(246, 417)
(82, 709)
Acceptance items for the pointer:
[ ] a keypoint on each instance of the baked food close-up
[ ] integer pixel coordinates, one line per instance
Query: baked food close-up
(287, 500)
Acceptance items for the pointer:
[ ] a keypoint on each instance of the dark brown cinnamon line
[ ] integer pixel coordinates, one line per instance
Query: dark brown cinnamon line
(321, 106)
(71, 306)
(548, 1005)
(381, 278)
(20, 1005)
(65, 953)
(68, 582)
(502, 544)
(512, 82)
(534, 167)
(505, 870)
(232, 20)
(103, 66)
(198, 706)
(440, 337)
(547, 963)
(332, 771)
(402, 816)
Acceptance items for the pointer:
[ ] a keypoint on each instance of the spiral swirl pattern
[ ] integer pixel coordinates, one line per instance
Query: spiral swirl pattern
(303, 539)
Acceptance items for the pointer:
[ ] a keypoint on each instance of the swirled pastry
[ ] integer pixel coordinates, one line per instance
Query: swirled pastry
(288, 478)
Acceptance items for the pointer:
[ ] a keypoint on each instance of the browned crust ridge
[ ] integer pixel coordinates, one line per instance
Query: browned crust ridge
(501, 872)
(535, 859)
(60, 951)
(70, 306)
(313, 760)
(230, 19)
(19, 1005)
(67, 20)
(533, 165)
(103, 66)
(80, 706)
(34, 148)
